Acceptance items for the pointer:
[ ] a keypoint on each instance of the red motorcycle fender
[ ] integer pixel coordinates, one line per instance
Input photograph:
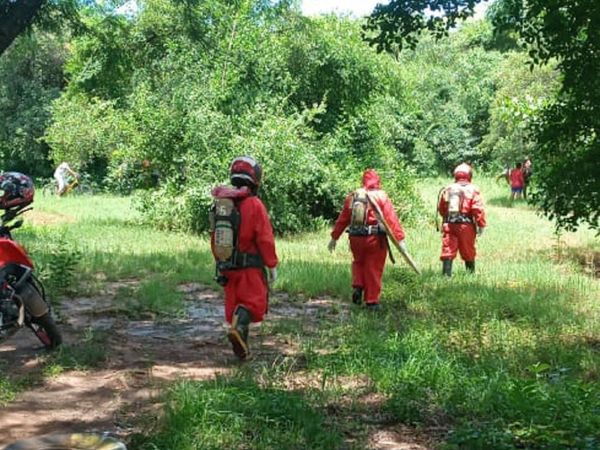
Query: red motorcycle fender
(33, 301)
(13, 253)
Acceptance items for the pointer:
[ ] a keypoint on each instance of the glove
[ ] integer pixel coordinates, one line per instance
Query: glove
(331, 245)
(402, 246)
(480, 231)
(272, 274)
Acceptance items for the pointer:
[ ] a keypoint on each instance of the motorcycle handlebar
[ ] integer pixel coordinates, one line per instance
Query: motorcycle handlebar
(5, 228)
(11, 214)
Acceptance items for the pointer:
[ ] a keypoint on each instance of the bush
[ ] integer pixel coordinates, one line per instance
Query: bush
(87, 133)
(31, 77)
(299, 106)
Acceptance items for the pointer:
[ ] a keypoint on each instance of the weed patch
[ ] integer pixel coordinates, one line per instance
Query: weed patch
(588, 258)
(88, 353)
(59, 271)
(8, 390)
(154, 297)
(238, 413)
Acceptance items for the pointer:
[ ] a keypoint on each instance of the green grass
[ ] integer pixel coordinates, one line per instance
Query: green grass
(157, 296)
(503, 358)
(8, 390)
(238, 413)
(86, 354)
(508, 358)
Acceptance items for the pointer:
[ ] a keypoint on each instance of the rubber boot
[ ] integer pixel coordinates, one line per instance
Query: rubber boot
(238, 333)
(447, 267)
(357, 295)
(470, 266)
(373, 307)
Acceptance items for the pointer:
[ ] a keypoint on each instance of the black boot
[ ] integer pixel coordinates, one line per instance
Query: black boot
(470, 266)
(447, 267)
(238, 333)
(357, 295)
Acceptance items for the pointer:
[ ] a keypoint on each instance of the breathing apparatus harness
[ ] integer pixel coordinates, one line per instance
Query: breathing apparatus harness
(358, 221)
(454, 198)
(225, 220)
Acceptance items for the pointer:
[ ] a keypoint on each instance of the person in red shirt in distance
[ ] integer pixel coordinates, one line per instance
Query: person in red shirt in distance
(517, 182)
(246, 286)
(368, 241)
(461, 207)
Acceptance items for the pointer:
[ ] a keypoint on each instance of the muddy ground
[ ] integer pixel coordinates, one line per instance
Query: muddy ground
(142, 356)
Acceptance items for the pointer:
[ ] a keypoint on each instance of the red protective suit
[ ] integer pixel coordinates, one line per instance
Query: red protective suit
(248, 287)
(517, 180)
(461, 236)
(369, 252)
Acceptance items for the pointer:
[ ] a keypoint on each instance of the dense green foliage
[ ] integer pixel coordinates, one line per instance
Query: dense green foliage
(450, 86)
(305, 97)
(565, 129)
(31, 76)
(521, 92)
(187, 88)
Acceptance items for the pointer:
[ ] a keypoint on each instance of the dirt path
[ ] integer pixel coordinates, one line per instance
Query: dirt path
(141, 356)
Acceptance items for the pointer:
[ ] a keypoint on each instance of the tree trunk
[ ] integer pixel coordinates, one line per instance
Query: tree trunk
(15, 16)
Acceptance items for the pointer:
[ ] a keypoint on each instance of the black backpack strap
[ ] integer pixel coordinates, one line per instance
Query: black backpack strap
(241, 260)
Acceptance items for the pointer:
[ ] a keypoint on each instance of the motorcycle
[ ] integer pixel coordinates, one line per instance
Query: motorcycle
(23, 300)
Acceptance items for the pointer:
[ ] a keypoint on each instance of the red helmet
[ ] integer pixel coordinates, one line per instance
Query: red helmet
(463, 172)
(245, 168)
(17, 190)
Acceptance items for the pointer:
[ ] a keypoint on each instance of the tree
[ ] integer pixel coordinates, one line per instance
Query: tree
(398, 23)
(521, 93)
(31, 77)
(17, 15)
(188, 87)
(567, 129)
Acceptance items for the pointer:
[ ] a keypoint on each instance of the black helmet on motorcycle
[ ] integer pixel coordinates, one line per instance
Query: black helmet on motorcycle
(245, 171)
(17, 190)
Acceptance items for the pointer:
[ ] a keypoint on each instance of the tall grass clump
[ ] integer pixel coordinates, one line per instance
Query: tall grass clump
(157, 296)
(8, 390)
(88, 352)
(238, 413)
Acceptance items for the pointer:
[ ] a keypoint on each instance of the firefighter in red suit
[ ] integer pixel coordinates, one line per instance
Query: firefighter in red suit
(243, 276)
(368, 241)
(461, 207)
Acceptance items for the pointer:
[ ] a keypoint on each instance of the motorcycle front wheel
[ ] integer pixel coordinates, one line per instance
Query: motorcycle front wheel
(46, 331)
(43, 326)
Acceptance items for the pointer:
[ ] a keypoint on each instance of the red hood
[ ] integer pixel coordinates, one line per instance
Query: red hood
(371, 180)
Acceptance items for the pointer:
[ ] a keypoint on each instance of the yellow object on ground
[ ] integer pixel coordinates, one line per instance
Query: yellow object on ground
(78, 441)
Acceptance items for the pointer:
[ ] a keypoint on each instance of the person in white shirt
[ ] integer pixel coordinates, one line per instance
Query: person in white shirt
(61, 176)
